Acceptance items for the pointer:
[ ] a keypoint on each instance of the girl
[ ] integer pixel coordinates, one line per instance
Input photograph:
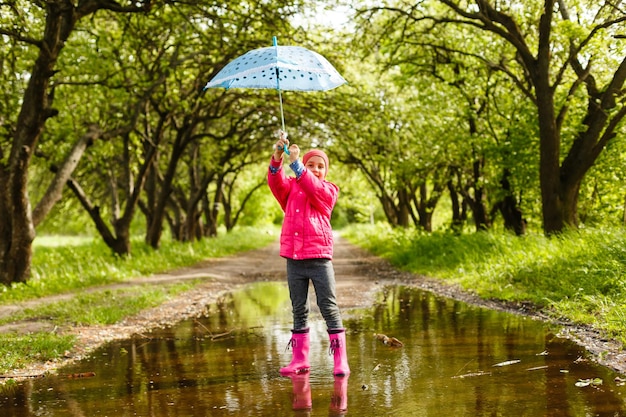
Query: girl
(306, 241)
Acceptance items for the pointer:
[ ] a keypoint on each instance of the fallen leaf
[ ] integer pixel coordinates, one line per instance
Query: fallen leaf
(471, 374)
(536, 368)
(389, 341)
(507, 363)
(591, 381)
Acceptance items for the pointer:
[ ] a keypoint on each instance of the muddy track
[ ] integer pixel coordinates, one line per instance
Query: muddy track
(359, 277)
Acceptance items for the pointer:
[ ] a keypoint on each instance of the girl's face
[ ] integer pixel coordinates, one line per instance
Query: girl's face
(317, 166)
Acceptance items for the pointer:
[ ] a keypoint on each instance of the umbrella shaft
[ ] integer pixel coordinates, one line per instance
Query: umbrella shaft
(280, 98)
(282, 116)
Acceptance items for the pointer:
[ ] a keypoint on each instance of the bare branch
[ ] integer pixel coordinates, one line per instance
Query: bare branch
(493, 21)
(54, 191)
(87, 7)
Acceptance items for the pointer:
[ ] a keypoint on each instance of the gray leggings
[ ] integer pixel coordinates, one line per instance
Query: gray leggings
(322, 275)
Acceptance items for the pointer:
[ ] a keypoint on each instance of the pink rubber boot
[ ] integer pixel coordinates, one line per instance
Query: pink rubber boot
(338, 350)
(300, 347)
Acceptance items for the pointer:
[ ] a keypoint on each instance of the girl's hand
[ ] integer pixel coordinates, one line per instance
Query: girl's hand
(280, 145)
(294, 153)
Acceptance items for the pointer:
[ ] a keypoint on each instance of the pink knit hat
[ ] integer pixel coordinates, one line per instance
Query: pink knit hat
(316, 152)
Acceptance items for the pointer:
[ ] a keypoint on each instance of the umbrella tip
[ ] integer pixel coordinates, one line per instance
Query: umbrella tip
(274, 41)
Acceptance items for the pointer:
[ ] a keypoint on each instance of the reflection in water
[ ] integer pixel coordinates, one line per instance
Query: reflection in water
(339, 401)
(448, 358)
(226, 364)
(301, 392)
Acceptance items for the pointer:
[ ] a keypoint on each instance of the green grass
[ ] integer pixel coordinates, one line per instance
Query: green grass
(102, 307)
(579, 276)
(17, 351)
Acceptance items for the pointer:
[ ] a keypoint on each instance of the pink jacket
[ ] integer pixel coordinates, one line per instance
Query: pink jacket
(308, 204)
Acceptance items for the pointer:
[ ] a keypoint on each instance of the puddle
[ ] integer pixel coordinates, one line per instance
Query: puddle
(226, 364)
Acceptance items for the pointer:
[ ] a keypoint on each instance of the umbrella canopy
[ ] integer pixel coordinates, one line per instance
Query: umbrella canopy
(289, 68)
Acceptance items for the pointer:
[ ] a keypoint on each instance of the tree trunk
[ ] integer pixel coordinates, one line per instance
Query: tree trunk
(549, 169)
(210, 216)
(155, 227)
(119, 242)
(424, 211)
(457, 217)
(388, 208)
(18, 227)
(508, 207)
(426, 203)
(479, 209)
(404, 207)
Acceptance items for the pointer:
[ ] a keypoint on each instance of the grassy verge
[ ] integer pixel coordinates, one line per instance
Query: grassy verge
(61, 268)
(19, 351)
(102, 307)
(579, 276)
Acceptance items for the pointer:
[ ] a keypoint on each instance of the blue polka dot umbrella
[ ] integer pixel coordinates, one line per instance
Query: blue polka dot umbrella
(281, 68)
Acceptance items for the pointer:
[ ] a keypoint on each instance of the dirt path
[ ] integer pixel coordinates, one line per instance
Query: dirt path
(359, 277)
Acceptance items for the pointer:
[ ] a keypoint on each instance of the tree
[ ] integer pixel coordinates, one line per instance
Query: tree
(53, 22)
(392, 138)
(568, 59)
(147, 86)
(223, 122)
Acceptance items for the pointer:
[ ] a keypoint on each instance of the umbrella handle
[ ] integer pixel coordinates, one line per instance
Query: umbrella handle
(286, 146)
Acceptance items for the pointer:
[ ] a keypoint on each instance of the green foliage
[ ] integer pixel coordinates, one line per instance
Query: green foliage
(578, 276)
(602, 196)
(67, 218)
(357, 202)
(261, 207)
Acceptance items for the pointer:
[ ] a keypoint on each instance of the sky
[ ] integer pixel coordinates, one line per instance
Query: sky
(336, 18)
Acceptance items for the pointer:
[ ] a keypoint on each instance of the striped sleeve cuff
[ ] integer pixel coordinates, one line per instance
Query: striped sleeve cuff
(297, 168)
(274, 170)
(275, 166)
